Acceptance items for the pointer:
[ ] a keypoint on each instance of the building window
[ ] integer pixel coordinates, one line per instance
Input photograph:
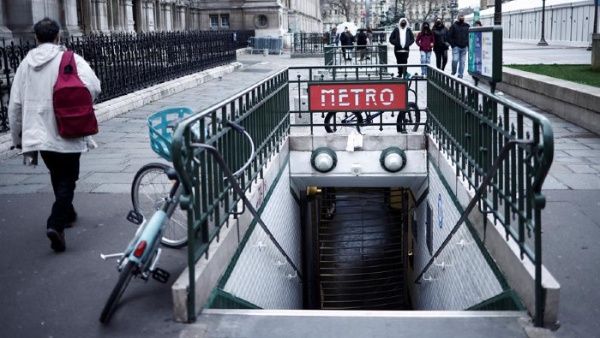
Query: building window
(261, 21)
(214, 21)
(225, 20)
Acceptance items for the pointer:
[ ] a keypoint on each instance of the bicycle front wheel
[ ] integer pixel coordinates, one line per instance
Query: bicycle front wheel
(335, 121)
(111, 304)
(149, 191)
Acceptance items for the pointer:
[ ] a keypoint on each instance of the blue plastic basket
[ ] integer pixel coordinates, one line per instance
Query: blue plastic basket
(162, 125)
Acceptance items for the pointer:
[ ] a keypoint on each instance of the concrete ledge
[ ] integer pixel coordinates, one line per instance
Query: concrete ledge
(209, 271)
(576, 103)
(370, 142)
(122, 104)
(520, 274)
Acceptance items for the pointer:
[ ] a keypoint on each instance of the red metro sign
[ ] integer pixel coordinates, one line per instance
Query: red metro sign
(357, 96)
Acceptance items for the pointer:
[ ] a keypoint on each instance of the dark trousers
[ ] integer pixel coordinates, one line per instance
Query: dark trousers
(401, 59)
(441, 58)
(64, 172)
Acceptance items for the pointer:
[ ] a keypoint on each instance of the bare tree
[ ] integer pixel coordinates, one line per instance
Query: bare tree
(344, 6)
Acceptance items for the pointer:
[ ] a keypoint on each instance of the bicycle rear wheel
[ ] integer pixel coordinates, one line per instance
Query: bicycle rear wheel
(150, 188)
(111, 304)
(411, 115)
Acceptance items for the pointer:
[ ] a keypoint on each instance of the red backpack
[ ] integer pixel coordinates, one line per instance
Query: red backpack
(73, 104)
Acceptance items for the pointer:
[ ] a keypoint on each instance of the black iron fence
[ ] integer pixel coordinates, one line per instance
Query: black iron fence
(128, 62)
(310, 43)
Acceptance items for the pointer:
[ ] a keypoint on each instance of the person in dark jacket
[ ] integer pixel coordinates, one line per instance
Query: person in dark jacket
(402, 38)
(425, 41)
(361, 44)
(440, 45)
(458, 37)
(347, 41)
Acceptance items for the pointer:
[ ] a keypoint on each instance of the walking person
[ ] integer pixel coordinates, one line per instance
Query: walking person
(361, 44)
(370, 41)
(347, 41)
(440, 45)
(425, 40)
(402, 38)
(34, 127)
(458, 37)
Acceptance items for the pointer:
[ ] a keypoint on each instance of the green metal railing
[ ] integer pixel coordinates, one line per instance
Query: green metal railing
(482, 132)
(471, 125)
(209, 198)
(356, 55)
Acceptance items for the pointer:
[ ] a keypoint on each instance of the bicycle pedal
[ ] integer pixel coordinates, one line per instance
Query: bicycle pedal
(161, 275)
(135, 217)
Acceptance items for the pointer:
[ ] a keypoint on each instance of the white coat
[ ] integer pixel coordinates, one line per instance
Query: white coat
(30, 109)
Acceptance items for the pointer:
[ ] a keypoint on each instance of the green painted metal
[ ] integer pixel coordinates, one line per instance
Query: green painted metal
(220, 299)
(208, 198)
(507, 300)
(473, 127)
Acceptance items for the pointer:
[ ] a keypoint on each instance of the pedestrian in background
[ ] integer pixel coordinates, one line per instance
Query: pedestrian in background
(361, 43)
(402, 38)
(34, 128)
(458, 37)
(425, 40)
(370, 42)
(440, 45)
(477, 24)
(347, 41)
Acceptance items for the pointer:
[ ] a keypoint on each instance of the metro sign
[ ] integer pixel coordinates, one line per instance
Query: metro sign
(366, 96)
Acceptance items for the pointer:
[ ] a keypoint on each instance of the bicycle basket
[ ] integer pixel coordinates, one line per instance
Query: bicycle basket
(162, 125)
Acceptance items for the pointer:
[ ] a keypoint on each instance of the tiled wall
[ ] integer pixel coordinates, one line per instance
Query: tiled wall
(461, 277)
(261, 274)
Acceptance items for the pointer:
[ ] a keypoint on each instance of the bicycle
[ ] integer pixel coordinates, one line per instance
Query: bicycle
(411, 116)
(143, 252)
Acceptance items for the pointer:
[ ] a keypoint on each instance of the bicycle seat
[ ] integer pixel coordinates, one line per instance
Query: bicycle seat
(172, 174)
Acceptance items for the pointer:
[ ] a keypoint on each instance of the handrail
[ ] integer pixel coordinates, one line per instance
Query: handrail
(463, 217)
(217, 155)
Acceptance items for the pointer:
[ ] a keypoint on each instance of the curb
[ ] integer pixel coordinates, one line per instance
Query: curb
(122, 104)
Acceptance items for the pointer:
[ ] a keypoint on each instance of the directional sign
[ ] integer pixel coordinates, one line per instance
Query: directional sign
(366, 96)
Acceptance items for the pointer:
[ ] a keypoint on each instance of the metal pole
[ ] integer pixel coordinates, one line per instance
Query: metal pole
(497, 12)
(596, 16)
(595, 30)
(542, 40)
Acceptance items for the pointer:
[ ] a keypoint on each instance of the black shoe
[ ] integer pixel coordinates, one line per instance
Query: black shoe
(57, 240)
(71, 219)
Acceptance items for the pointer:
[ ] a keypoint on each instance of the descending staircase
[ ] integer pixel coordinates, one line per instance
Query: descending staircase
(360, 242)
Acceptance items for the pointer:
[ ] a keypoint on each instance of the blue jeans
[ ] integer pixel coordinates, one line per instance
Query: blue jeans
(458, 59)
(425, 59)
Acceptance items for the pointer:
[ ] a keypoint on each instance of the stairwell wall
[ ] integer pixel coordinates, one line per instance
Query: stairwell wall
(461, 276)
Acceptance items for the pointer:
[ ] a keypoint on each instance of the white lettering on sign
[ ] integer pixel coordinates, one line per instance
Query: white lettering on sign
(331, 93)
(370, 97)
(357, 96)
(343, 95)
(389, 100)
(356, 92)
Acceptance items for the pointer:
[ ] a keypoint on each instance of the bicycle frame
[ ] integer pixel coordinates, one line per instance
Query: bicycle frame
(150, 232)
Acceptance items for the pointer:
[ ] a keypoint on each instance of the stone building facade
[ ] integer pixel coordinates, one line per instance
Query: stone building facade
(267, 17)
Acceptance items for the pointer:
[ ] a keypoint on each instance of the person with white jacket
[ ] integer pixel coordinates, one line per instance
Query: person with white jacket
(402, 38)
(33, 124)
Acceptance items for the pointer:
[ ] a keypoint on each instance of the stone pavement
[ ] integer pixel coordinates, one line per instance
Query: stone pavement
(570, 218)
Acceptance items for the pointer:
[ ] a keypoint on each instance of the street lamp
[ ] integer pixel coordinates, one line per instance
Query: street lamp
(542, 40)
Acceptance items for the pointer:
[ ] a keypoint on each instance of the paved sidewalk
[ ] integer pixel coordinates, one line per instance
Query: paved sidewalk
(61, 296)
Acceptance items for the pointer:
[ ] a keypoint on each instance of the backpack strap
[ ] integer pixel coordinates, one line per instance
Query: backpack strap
(67, 63)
